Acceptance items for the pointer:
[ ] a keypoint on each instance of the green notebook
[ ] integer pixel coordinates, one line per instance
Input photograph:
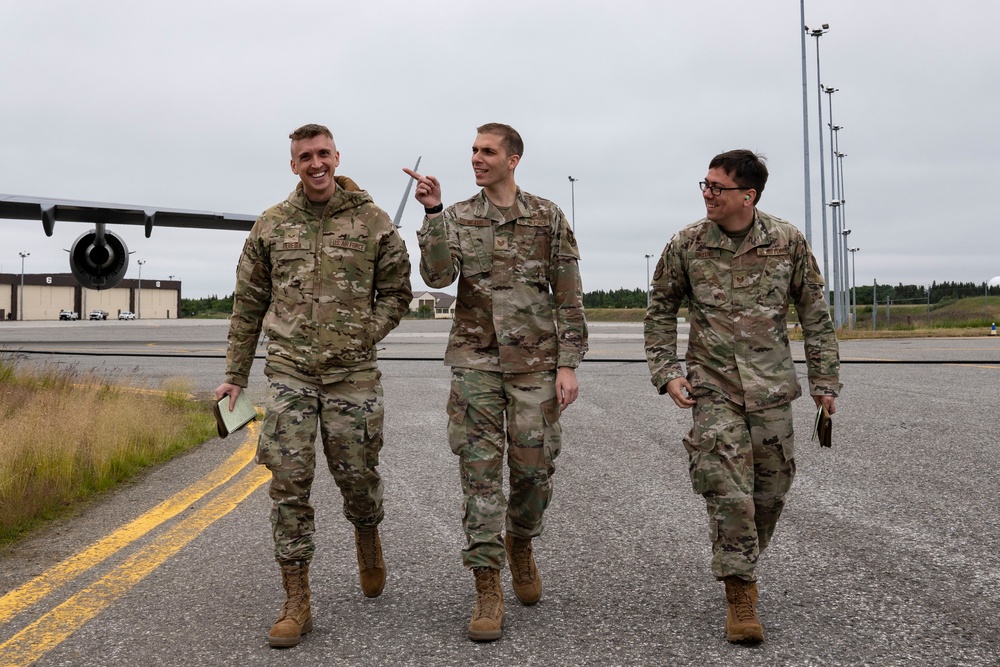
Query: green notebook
(231, 421)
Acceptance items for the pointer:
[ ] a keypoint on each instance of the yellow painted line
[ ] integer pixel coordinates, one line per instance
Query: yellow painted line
(31, 592)
(53, 628)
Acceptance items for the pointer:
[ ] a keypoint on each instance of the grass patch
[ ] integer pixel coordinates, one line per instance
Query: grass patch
(68, 437)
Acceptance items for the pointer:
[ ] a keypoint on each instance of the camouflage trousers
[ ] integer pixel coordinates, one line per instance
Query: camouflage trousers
(743, 464)
(349, 414)
(480, 403)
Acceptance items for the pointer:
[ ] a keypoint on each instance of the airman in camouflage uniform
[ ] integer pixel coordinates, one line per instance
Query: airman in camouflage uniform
(519, 333)
(739, 268)
(326, 275)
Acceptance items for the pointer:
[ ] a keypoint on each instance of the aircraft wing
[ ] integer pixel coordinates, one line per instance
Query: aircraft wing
(49, 211)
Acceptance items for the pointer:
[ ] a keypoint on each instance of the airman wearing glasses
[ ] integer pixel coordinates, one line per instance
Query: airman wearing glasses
(739, 268)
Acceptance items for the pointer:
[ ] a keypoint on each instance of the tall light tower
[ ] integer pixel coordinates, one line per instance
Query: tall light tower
(649, 289)
(572, 198)
(817, 33)
(805, 128)
(138, 298)
(20, 308)
(846, 301)
(843, 201)
(854, 283)
(838, 278)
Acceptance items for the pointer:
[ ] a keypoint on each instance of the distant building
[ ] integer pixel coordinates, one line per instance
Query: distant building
(45, 294)
(441, 303)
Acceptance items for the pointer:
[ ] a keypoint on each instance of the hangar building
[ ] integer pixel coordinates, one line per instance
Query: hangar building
(45, 294)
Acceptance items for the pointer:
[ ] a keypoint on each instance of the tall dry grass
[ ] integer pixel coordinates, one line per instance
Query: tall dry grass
(67, 436)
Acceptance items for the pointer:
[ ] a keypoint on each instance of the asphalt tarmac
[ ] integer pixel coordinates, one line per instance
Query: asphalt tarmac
(887, 553)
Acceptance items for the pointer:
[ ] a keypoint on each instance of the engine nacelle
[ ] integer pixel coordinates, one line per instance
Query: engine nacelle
(99, 259)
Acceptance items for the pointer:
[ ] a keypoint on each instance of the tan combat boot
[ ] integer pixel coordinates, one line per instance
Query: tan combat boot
(742, 622)
(371, 567)
(296, 617)
(487, 618)
(524, 575)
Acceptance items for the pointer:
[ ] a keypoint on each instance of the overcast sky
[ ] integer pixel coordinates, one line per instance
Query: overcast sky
(189, 105)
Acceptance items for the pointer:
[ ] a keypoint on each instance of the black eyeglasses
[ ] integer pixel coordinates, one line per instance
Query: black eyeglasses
(716, 190)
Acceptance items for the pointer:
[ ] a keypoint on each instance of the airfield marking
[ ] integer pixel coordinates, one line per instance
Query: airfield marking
(31, 592)
(54, 627)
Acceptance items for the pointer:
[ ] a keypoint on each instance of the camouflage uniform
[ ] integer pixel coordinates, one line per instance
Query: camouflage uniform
(519, 317)
(740, 367)
(324, 291)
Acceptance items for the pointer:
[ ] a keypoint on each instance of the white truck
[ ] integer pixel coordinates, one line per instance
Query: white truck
(68, 315)
(98, 314)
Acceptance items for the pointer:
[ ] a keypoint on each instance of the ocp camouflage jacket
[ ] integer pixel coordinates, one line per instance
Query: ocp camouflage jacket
(738, 302)
(520, 300)
(325, 291)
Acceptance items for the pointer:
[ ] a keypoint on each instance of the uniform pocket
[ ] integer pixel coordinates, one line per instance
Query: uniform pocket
(458, 434)
(374, 423)
(552, 433)
(268, 450)
(477, 249)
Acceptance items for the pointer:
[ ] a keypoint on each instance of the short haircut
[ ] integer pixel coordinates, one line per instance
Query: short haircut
(309, 131)
(745, 167)
(509, 137)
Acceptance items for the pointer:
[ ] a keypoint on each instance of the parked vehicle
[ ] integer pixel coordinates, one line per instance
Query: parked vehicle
(98, 314)
(126, 315)
(68, 315)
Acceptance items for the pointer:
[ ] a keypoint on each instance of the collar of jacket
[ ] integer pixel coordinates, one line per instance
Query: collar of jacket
(484, 209)
(347, 195)
(758, 236)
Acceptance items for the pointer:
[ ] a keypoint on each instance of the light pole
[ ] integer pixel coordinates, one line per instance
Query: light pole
(846, 300)
(854, 284)
(837, 322)
(838, 278)
(805, 127)
(649, 290)
(843, 200)
(817, 33)
(138, 298)
(20, 308)
(572, 198)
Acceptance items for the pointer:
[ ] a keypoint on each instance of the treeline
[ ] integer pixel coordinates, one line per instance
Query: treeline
(936, 293)
(619, 298)
(210, 306)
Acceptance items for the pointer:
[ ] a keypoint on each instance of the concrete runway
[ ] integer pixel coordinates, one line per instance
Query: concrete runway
(886, 553)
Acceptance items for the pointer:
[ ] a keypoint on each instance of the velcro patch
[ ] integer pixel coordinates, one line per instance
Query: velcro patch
(352, 245)
(291, 245)
(776, 250)
(707, 254)
(533, 222)
(475, 222)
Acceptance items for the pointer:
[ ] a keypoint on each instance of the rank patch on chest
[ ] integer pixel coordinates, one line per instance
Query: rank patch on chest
(351, 245)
